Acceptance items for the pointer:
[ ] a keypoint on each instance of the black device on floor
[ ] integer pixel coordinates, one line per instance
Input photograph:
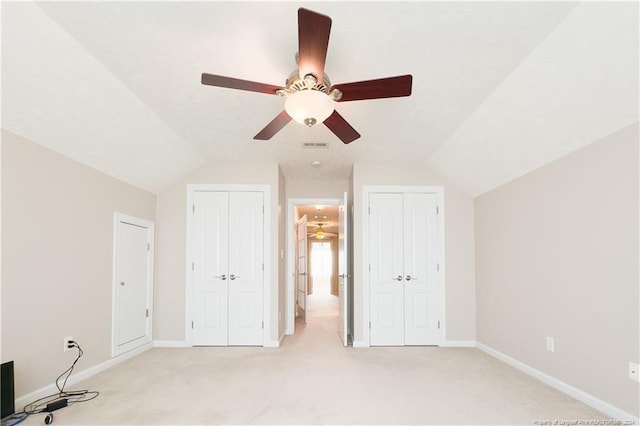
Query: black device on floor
(7, 397)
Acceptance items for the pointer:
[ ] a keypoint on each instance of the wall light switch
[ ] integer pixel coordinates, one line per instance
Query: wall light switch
(551, 347)
(634, 374)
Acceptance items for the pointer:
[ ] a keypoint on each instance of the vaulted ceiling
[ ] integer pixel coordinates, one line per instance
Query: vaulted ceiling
(499, 88)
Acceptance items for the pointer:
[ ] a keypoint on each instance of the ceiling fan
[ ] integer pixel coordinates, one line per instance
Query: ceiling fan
(310, 97)
(320, 234)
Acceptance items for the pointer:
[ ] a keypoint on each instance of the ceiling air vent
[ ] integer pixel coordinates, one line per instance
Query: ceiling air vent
(315, 145)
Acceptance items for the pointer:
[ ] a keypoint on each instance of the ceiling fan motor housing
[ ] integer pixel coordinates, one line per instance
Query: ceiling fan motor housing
(308, 101)
(295, 83)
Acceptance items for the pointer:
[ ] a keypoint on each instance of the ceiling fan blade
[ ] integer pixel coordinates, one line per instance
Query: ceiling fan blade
(390, 87)
(313, 40)
(274, 127)
(236, 83)
(341, 128)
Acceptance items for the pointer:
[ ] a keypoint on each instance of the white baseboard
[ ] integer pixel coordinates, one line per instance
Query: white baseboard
(170, 344)
(79, 376)
(563, 387)
(459, 344)
(272, 343)
(447, 344)
(183, 344)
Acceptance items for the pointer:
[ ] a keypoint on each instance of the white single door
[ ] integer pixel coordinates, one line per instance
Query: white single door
(245, 281)
(421, 313)
(343, 273)
(132, 283)
(386, 270)
(211, 268)
(301, 268)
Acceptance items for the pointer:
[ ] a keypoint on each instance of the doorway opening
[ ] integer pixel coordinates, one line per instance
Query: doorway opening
(322, 274)
(313, 286)
(322, 298)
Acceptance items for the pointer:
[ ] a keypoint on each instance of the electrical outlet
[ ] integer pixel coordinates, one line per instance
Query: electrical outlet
(67, 341)
(551, 346)
(634, 374)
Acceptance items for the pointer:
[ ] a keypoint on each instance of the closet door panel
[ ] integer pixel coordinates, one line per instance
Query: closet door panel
(210, 253)
(386, 270)
(246, 275)
(420, 269)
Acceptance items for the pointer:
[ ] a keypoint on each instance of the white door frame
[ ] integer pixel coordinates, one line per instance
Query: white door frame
(189, 276)
(343, 271)
(290, 299)
(366, 191)
(149, 226)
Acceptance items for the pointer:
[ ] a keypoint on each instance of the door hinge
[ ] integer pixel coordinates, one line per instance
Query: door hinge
(438, 267)
(147, 313)
(438, 324)
(192, 325)
(369, 267)
(369, 209)
(263, 266)
(262, 324)
(193, 267)
(437, 210)
(193, 208)
(369, 324)
(262, 209)
(148, 247)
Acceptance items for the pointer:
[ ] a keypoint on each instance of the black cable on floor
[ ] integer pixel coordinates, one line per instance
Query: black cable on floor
(71, 397)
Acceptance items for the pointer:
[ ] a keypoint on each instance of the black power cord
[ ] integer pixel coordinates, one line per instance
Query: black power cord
(55, 401)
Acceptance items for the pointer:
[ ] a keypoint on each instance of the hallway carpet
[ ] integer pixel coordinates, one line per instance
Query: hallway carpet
(313, 379)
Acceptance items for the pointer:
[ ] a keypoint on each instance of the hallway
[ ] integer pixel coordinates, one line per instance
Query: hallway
(322, 317)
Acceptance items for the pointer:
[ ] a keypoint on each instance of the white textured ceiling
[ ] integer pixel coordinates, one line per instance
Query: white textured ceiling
(500, 88)
(327, 216)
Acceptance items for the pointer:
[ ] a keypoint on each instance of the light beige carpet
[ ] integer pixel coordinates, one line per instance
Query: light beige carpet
(313, 379)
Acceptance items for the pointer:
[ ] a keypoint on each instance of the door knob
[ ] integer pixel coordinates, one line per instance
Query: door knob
(233, 277)
(122, 283)
(343, 276)
(222, 277)
(398, 278)
(409, 278)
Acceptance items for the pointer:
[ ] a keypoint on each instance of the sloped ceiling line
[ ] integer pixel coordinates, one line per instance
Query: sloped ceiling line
(579, 85)
(500, 88)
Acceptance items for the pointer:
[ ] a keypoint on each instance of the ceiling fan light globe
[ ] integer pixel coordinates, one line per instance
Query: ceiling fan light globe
(309, 107)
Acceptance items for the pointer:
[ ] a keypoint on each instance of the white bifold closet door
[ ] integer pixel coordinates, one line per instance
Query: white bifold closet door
(228, 268)
(403, 269)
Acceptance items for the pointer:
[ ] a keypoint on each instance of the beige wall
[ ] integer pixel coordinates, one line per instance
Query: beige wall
(57, 259)
(557, 255)
(300, 188)
(171, 242)
(459, 247)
